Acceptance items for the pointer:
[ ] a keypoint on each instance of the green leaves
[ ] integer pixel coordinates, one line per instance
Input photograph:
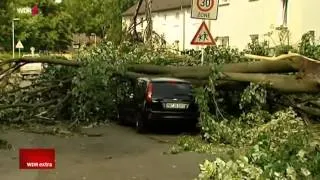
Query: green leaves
(254, 96)
(309, 47)
(221, 170)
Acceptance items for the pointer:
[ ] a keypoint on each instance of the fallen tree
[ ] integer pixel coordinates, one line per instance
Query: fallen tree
(46, 99)
(306, 80)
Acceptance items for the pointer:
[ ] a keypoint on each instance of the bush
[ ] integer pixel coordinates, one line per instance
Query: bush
(308, 46)
(257, 48)
(221, 170)
(217, 55)
(280, 149)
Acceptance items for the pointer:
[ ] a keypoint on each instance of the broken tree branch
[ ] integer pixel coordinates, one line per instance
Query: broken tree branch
(42, 60)
(298, 62)
(134, 20)
(284, 83)
(25, 105)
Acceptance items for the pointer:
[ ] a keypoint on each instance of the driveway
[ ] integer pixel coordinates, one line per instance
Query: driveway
(120, 154)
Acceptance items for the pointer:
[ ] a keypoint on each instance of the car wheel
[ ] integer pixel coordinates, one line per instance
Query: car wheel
(140, 124)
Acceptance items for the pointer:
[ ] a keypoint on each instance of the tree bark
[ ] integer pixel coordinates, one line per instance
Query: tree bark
(283, 83)
(148, 31)
(303, 64)
(280, 64)
(134, 20)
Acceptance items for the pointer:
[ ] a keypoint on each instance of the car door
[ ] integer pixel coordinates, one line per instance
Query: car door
(125, 97)
(139, 95)
(130, 106)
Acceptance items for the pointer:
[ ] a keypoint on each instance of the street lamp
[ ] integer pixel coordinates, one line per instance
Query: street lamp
(13, 48)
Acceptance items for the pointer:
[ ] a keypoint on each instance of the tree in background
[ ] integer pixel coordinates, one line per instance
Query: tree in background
(102, 17)
(5, 28)
(53, 27)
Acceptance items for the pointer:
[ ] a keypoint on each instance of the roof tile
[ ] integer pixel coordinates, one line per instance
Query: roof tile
(159, 5)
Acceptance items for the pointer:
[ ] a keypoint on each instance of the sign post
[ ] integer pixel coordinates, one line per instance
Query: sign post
(203, 37)
(204, 9)
(19, 46)
(202, 56)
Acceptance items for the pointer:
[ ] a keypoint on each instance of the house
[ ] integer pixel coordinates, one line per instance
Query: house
(238, 21)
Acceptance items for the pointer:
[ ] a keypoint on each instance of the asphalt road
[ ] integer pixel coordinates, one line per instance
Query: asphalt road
(120, 154)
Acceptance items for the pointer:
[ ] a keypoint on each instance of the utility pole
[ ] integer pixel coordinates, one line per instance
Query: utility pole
(13, 47)
(183, 26)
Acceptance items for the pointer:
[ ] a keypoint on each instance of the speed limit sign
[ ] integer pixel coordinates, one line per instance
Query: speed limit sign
(205, 9)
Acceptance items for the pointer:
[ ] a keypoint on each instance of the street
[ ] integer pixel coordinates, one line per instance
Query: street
(120, 154)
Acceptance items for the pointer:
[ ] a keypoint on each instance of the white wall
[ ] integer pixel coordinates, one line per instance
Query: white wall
(303, 17)
(239, 19)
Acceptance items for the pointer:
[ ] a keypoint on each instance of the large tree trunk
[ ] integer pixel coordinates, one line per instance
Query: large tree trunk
(283, 83)
(281, 64)
(241, 72)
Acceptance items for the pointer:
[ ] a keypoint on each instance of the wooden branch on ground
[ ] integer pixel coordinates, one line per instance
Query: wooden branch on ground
(65, 80)
(309, 110)
(315, 103)
(25, 105)
(42, 60)
(11, 70)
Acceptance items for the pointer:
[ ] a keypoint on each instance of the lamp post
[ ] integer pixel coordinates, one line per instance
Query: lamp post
(13, 48)
(183, 26)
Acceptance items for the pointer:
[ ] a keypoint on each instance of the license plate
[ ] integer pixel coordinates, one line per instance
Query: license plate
(176, 106)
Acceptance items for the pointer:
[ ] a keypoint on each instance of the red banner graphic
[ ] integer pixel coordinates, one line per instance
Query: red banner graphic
(37, 158)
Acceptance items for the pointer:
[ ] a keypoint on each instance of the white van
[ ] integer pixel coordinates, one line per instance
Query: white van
(31, 68)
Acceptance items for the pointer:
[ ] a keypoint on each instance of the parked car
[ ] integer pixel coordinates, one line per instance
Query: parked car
(157, 100)
(31, 68)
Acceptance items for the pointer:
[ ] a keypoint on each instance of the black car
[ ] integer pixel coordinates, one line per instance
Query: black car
(154, 100)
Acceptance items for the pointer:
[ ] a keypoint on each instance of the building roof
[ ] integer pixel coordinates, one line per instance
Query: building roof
(159, 5)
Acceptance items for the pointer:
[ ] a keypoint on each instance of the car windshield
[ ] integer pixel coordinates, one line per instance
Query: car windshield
(171, 89)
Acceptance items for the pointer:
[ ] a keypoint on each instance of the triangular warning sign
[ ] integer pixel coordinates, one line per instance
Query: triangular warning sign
(19, 45)
(203, 36)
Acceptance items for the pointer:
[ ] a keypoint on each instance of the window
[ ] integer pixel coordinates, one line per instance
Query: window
(171, 89)
(223, 41)
(177, 15)
(312, 33)
(140, 88)
(254, 37)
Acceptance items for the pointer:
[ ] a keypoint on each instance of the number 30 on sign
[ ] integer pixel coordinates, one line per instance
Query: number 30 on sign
(205, 9)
